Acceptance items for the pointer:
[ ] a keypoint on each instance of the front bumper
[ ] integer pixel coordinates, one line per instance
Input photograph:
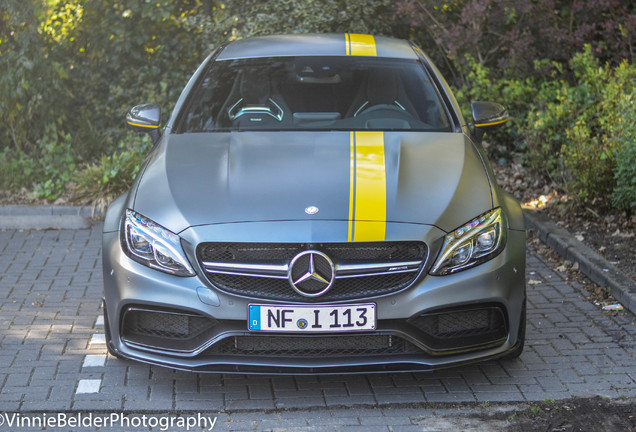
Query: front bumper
(209, 327)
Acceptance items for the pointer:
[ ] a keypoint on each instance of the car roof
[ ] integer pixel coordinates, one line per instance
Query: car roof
(318, 45)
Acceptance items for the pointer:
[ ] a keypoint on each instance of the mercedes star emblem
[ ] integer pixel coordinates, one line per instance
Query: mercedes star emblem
(312, 210)
(311, 273)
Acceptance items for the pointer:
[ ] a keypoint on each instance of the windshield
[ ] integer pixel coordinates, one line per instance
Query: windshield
(314, 93)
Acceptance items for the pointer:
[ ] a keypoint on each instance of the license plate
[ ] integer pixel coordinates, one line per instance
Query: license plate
(312, 319)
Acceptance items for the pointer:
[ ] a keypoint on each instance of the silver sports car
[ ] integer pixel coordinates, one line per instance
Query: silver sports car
(315, 203)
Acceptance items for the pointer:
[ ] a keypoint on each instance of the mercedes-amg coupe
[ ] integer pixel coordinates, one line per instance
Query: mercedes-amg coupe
(315, 203)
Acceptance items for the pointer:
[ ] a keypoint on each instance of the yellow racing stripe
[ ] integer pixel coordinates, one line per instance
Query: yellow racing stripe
(367, 191)
(360, 44)
(352, 179)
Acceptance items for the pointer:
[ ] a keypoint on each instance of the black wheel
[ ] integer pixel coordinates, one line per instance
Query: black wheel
(521, 341)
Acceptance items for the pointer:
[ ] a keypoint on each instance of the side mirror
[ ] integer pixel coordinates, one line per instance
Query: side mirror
(487, 114)
(145, 118)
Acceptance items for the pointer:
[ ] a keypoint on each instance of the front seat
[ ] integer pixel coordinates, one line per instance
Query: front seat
(382, 89)
(381, 103)
(257, 105)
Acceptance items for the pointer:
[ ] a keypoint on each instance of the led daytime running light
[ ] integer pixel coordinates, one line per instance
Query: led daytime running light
(469, 234)
(165, 252)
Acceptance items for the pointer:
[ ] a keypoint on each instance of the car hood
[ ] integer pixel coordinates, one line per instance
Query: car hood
(405, 177)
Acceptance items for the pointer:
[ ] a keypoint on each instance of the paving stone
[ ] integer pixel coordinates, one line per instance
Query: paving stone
(350, 401)
(200, 405)
(9, 406)
(365, 428)
(92, 405)
(455, 384)
(489, 396)
(288, 424)
(410, 428)
(18, 379)
(455, 397)
(300, 402)
(393, 420)
(400, 398)
(475, 377)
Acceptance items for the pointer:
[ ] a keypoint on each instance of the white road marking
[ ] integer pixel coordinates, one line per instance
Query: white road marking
(88, 386)
(94, 361)
(97, 339)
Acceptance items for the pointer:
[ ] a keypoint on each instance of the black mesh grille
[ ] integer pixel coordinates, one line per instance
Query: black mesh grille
(339, 253)
(342, 289)
(462, 328)
(376, 252)
(313, 346)
(167, 330)
(258, 253)
(166, 325)
(276, 253)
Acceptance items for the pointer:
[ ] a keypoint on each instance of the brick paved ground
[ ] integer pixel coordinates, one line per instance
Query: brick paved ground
(52, 356)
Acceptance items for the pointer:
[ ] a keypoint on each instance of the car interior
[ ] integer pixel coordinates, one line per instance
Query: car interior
(315, 93)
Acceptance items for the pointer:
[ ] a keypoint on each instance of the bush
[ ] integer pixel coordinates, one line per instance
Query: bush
(57, 165)
(508, 35)
(575, 125)
(47, 169)
(517, 95)
(18, 169)
(101, 182)
(624, 136)
(33, 92)
(595, 128)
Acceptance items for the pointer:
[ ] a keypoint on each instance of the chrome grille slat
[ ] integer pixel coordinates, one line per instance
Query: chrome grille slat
(280, 271)
(356, 275)
(255, 275)
(257, 270)
(359, 270)
(260, 270)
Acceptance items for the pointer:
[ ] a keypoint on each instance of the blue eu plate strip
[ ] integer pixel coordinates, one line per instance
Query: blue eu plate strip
(255, 317)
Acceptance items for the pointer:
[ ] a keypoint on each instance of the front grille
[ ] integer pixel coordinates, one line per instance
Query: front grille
(279, 289)
(461, 329)
(400, 264)
(313, 346)
(261, 253)
(169, 330)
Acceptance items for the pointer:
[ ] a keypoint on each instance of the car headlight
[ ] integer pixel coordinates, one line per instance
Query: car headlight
(473, 243)
(151, 244)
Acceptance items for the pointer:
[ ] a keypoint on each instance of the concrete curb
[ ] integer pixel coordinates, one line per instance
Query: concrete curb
(46, 217)
(593, 265)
